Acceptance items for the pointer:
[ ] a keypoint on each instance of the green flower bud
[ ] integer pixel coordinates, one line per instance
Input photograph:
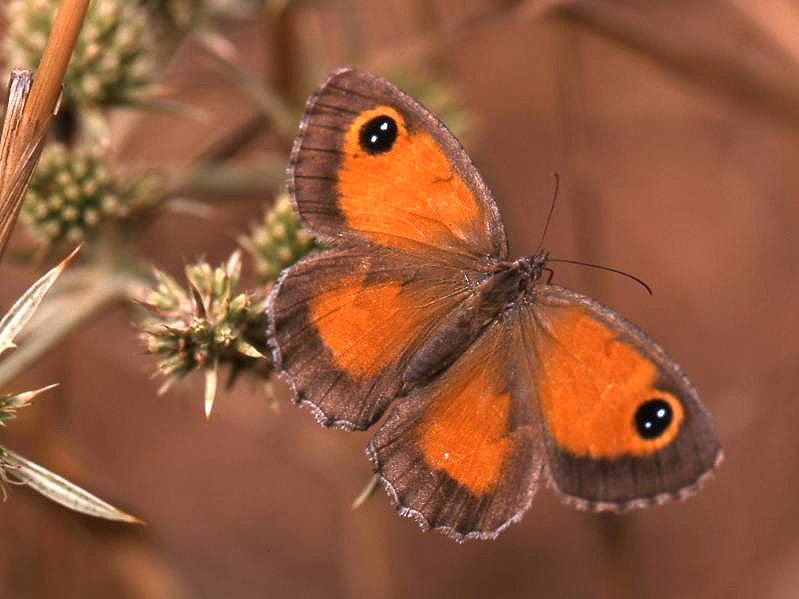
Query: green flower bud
(72, 194)
(113, 58)
(277, 241)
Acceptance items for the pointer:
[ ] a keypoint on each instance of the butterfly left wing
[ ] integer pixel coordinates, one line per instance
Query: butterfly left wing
(461, 454)
(622, 425)
(409, 224)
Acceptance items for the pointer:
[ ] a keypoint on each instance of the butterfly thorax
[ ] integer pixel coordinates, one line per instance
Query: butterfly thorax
(497, 292)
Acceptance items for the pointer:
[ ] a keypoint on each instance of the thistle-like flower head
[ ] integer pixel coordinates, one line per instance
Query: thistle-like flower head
(113, 58)
(74, 192)
(206, 325)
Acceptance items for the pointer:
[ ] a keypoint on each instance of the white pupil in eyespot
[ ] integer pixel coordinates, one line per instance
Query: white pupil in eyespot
(661, 413)
(383, 127)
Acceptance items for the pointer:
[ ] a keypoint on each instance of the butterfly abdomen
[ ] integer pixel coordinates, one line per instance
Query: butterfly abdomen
(461, 329)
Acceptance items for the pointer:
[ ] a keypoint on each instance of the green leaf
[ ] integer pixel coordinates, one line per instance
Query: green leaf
(25, 306)
(18, 469)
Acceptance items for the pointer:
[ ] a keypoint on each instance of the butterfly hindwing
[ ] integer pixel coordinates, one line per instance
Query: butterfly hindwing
(370, 163)
(461, 454)
(623, 426)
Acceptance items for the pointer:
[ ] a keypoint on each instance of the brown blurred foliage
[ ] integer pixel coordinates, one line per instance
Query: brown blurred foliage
(675, 130)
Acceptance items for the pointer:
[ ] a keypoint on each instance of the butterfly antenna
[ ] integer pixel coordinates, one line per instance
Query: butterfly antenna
(607, 268)
(551, 211)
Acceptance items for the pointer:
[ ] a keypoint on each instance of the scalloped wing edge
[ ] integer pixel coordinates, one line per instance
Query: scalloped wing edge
(424, 523)
(640, 502)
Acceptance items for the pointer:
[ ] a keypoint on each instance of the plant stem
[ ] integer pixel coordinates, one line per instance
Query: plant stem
(50, 73)
(746, 78)
(28, 118)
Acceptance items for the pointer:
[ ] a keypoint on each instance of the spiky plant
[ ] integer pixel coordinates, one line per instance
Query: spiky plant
(74, 193)
(11, 403)
(112, 62)
(14, 467)
(205, 326)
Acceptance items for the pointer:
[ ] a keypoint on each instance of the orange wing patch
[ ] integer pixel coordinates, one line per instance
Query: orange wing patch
(464, 435)
(465, 430)
(361, 324)
(410, 192)
(590, 384)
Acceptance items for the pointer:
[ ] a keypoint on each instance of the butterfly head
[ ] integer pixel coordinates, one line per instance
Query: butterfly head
(511, 281)
(530, 268)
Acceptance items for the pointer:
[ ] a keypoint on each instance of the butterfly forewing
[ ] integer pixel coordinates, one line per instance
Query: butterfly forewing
(371, 163)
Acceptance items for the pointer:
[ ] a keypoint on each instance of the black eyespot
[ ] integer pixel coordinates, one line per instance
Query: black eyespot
(652, 418)
(378, 135)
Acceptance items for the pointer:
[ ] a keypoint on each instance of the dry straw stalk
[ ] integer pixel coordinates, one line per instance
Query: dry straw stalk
(29, 111)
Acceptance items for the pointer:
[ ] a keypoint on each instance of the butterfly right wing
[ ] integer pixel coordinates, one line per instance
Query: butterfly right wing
(345, 323)
(622, 425)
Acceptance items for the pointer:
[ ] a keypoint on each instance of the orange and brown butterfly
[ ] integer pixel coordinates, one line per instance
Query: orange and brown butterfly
(496, 380)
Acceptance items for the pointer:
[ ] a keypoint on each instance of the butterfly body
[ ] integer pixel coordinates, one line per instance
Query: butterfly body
(493, 379)
(496, 292)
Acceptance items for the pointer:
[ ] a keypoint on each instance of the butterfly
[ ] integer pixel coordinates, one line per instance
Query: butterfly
(494, 379)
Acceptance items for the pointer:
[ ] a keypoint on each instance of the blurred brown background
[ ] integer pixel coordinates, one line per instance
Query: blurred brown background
(675, 130)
